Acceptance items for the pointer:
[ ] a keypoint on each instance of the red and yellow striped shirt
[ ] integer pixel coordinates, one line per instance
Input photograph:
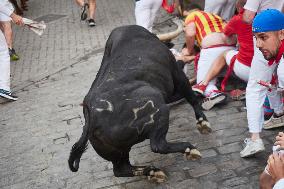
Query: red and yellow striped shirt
(205, 23)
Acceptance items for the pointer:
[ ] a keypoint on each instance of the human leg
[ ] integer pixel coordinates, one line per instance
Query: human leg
(276, 102)
(4, 64)
(5, 70)
(214, 7)
(205, 63)
(80, 2)
(142, 14)
(84, 6)
(207, 57)
(7, 30)
(156, 4)
(255, 96)
(8, 33)
(216, 68)
(92, 12)
(228, 9)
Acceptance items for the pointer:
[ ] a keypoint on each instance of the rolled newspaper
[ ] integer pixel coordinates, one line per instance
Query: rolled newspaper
(37, 27)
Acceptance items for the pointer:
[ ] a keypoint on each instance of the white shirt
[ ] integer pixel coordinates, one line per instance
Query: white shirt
(6, 7)
(279, 184)
(259, 5)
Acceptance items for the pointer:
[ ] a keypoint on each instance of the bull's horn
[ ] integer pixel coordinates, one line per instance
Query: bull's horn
(173, 34)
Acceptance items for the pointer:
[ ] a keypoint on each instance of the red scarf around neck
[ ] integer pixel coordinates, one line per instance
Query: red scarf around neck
(279, 55)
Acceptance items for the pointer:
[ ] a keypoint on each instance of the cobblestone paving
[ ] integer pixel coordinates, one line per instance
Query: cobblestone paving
(51, 79)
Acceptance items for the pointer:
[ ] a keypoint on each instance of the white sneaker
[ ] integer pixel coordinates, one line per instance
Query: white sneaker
(274, 121)
(8, 95)
(212, 100)
(252, 147)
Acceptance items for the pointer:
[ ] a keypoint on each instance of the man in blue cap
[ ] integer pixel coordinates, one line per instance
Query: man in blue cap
(267, 68)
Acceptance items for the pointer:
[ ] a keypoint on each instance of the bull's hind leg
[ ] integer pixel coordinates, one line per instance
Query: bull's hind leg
(183, 87)
(123, 168)
(121, 164)
(159, 143)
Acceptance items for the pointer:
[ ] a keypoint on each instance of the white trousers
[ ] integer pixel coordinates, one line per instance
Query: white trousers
(4, 64)
(240, 70)
(223, 8)
(145, 12)
(207, 57)
(255, 93)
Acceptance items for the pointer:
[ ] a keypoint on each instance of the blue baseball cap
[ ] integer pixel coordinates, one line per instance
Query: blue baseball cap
(268, 20)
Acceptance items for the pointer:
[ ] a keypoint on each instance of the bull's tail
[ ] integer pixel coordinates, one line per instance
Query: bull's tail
(79, 147)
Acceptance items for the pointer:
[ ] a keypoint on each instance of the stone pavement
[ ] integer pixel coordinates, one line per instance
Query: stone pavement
(51, 79)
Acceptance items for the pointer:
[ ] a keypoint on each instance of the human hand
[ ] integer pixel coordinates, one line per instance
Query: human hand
(184, 52)
(276, 166)
(17, 19)
(280, 140)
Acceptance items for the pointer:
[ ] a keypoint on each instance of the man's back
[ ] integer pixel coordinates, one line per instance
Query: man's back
(209, 29)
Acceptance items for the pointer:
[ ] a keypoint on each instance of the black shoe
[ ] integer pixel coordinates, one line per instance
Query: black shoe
(91, 22)
(84, 11)
(8, 95)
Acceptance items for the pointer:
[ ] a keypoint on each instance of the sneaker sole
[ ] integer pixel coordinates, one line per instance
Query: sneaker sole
(252, 154)
(209, 104)
(92, 25)
(198, 91)
(273, 126)
(8, 97)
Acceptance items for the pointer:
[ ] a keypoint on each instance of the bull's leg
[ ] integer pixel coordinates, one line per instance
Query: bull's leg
(121, 164)
(159, 143)
(123, 168)
(183, 87)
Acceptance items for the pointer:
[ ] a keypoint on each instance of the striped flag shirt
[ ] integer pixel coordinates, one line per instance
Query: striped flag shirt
(205, 23)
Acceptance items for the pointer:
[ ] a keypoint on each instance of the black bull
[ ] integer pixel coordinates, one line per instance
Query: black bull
(127, 103)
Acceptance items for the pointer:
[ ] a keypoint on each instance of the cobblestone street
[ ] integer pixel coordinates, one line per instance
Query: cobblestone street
(51, 79)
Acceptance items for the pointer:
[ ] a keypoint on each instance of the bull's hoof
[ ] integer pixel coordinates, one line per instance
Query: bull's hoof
(192, 154)
(157, 176)
(203, 126)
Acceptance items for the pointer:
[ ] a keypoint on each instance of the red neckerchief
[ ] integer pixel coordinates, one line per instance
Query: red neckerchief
(279, 55)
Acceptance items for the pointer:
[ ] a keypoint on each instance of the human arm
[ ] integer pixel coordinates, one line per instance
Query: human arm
(190, 32)
(9, 12)
(17, 19)
(251, 7)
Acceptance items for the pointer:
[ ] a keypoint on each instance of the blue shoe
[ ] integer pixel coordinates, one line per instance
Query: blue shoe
(8, 95)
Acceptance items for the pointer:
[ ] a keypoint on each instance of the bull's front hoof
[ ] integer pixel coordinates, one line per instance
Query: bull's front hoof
(157, 176)
(203, 126)
(192, 154)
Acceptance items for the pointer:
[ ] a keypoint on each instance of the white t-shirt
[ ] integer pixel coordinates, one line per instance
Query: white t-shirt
(6, 9)
(259, 5)
(279, 184)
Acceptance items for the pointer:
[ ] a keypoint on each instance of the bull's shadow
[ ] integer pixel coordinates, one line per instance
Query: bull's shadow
(127, 103)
